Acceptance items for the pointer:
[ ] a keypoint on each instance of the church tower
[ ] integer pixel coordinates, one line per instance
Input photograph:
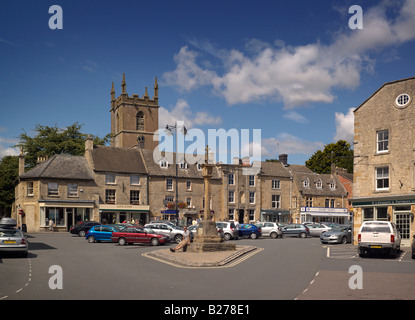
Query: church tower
(134, 120)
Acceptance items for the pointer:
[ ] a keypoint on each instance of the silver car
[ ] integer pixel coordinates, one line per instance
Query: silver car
(270, 229)
(316, 229)
(166, 229)
(229, 230)
(11, 238)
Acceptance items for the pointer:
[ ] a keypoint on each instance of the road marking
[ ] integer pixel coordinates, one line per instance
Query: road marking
(228, 265)
(328, 252)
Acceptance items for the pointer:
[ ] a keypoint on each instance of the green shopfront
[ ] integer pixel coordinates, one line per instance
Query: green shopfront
(275, 215)
(397, 209)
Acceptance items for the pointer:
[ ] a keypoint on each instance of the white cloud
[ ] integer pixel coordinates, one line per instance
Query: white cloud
(295, 116)
(286, 143)
(182, 112)
(298, 75)
(345, 126)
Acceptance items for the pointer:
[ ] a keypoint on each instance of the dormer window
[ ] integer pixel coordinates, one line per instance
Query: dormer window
(306, 183)
(332, 185)
(319, 184)
(183, 165)
(164, 164)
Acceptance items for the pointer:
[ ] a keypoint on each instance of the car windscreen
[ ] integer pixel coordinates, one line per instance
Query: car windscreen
(9, 233)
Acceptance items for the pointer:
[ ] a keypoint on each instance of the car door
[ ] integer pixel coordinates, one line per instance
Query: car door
(140, 235)
(289, 229)
(266, 228)
(105, 233)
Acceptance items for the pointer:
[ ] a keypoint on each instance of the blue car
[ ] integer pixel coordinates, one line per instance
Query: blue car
(100, 233)
(249, 230)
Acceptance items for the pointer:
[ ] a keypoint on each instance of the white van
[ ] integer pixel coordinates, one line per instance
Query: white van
(375, 236)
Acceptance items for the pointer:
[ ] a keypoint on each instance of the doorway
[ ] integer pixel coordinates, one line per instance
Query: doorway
(403, 223)
(241, 215)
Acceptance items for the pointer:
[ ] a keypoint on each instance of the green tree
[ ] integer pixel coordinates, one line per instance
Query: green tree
(9, 168)
(339, 153)
(49, 141)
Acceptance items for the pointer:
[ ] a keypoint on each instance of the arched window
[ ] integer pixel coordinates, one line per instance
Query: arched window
(141, 141)
(140, 120)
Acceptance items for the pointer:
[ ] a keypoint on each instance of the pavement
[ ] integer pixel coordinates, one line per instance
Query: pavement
(201, 259)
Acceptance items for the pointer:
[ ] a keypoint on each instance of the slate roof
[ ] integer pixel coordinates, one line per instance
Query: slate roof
(118, 160)
(61, 167)
(312, 190)
(274, 169)
(154, 168)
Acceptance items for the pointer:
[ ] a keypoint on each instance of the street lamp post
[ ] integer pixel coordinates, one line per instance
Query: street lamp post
(171, 128)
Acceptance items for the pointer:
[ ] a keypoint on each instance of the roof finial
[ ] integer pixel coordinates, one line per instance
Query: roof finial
(123, 84)
(112, 92)
(156, 89)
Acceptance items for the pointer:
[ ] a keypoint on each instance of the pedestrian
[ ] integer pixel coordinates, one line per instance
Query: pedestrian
(50, 224)
(185, 241)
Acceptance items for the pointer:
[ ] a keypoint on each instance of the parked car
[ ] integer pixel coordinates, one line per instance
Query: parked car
(101, 233)
(165, 229)
(11, 238)
(82, 227)
(249, 230)
(193, 230)
(338, 234)
(138, 235)
(378, 236)
(316, 229)
(229, 230)
(270, 229)
(296, 230)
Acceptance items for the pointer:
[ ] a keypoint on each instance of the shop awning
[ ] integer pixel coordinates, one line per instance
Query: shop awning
(280, 212)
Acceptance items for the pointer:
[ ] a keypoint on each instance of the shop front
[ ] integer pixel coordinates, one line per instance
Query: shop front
(275, 215)
(112, 214)
(332, 215)
(64, 213)
(398, 209)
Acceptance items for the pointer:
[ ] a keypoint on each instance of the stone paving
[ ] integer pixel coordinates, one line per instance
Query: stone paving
(201, 259)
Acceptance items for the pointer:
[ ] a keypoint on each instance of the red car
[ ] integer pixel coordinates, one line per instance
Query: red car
(138, 235)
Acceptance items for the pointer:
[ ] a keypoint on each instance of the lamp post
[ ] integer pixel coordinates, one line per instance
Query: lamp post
(170, 128)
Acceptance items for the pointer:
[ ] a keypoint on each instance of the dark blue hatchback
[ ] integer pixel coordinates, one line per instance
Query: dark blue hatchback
(249, 230)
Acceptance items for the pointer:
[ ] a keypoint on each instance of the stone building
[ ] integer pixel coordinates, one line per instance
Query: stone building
(317, 197)
(61, 188)
(134, 120)
(275, 191)
(124, 182)
(384, 163)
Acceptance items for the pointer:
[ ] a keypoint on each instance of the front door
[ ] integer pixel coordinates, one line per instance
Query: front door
(403, 223)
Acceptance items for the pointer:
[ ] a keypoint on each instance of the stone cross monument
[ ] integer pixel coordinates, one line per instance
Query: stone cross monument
(207, 238)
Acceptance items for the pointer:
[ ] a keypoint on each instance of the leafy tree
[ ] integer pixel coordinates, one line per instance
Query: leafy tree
(49, 141)
(339, 153)
(9, 169)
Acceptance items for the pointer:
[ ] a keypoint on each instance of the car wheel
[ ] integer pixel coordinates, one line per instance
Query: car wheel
(91, 239)
(155, 241)
(303, 235)
(178, 238)
(254, 236)
(344, 240)
(274, 235)
(227, 236)
(82, 233)
(122, 242)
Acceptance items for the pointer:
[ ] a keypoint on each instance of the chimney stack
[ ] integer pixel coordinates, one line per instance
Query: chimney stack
(283, 158)
(21, 162)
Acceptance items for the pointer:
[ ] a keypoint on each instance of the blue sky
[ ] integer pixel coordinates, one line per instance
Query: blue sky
(293, 69)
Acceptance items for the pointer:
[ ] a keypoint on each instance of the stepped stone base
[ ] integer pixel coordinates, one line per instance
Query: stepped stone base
(207, 239)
